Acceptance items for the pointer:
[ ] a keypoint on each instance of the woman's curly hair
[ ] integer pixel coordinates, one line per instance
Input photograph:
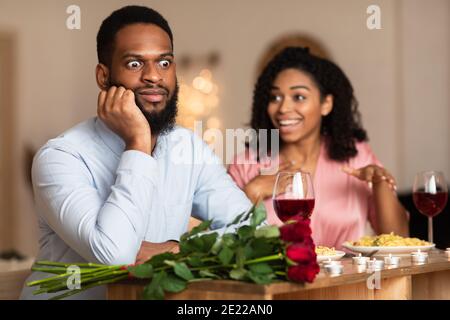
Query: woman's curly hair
(341, 127)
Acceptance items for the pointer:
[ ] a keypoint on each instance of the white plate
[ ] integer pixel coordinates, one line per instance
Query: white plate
(337, 256)
(387, 250)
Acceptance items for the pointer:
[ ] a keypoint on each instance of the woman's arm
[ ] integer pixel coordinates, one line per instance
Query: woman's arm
(390, 214)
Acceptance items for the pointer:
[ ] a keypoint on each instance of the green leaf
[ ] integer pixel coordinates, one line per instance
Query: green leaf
(259, 215)
(229, 240)
(204, 225)
(196, 244)
(208, 274)
(202, 243)
(260, 268)
(158, 260)
(195, 261)
(238, 274)
(248, 252)
(225, 255)
(248, 214)
(260, 247)
(142, 271)
(172, 283)
(154, 290)
(260, 278)
(186, 248)
(182, 270)
(237, 219)
(246, 232)
(208, 241)
(217, 246)
(197, 229)
(240, 257)
(267, 232)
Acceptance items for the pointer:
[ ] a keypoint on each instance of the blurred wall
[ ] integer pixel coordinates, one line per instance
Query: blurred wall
(400, 73)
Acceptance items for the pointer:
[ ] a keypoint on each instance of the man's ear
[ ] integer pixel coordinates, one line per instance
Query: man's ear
(102, 76)
(327, 105)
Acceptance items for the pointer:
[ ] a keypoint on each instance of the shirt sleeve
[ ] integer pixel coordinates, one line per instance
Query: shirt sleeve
(217, 197)
(108, 231)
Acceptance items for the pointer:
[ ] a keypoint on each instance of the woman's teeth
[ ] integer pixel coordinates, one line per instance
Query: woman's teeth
(289, 122)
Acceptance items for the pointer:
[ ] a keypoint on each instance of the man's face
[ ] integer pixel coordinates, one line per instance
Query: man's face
(143, 61)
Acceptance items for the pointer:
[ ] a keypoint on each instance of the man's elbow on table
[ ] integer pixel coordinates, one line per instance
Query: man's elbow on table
(115, 253)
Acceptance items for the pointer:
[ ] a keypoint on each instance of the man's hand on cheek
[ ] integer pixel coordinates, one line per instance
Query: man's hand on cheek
(118, 109)
(149, 249)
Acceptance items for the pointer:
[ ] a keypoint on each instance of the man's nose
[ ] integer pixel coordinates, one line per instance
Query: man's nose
(151, 74)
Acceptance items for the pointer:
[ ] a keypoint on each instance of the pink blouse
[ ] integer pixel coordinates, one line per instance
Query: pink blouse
(343, 203)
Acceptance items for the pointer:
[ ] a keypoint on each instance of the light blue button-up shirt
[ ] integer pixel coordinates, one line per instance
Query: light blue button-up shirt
(96, 202)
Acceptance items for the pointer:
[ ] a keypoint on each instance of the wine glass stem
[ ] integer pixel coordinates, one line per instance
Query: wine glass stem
(430, 229)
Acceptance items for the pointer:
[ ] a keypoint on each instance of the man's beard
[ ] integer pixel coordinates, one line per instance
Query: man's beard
(163, 121)
(160, 122)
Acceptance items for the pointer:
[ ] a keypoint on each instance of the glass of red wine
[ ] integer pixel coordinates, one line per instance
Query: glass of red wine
(293, 196)
(430, 196)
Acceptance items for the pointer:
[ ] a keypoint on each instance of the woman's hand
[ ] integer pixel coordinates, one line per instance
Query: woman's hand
(261, 186)
(390, 214)
(373, 175)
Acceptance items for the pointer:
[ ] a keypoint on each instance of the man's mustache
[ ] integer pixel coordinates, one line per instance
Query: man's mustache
(141, 89)
(152, 89)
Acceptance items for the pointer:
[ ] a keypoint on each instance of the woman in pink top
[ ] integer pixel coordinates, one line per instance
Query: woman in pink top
(310, 100)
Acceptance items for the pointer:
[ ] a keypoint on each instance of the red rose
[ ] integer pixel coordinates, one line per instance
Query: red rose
(295, 232)
(300, 252)
(308, 242)
(304, 272)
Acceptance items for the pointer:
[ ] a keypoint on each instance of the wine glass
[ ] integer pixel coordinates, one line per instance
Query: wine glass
(430, 196)
(293, 195)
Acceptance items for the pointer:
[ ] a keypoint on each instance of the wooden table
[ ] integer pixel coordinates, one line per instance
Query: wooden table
(12, 276)
(405, 282)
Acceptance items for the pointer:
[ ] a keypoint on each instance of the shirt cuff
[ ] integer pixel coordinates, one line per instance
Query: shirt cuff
(138, 163)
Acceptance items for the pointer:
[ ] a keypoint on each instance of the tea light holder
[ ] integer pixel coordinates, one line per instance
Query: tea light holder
(360, 268)
(360, 260)
(447, 252)
(392, 260)
(334, 269)
(419, 257)
(331, 262)
(375, 264)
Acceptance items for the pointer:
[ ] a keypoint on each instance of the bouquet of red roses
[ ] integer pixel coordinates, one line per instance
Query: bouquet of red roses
(253, 252)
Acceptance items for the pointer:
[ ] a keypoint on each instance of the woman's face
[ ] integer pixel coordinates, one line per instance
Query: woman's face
(295, 107)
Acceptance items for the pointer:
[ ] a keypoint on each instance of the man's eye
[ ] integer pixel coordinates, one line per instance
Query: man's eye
(164, 64)
(134, 64)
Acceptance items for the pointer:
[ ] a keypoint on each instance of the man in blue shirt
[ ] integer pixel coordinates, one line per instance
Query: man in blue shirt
(119, 188)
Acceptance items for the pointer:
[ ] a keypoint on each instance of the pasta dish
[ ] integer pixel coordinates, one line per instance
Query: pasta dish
(325, 251)
(388, 240)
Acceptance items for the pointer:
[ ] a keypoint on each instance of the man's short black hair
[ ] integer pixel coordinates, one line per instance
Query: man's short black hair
(121, 18)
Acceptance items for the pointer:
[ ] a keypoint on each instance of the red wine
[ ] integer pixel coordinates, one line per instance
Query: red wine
(430, 204)
(288, 209)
